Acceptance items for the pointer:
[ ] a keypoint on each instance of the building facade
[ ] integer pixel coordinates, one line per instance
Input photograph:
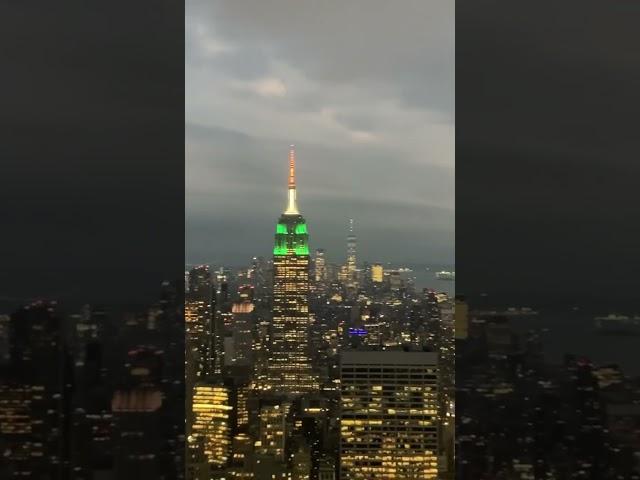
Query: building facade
(388, 418)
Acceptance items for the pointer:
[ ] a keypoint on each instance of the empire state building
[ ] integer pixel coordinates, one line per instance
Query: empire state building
(289, 369)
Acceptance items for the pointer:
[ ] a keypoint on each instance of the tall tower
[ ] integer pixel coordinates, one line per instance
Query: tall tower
(321, 266)
(289, 369)
(351, 256)
(199, 311)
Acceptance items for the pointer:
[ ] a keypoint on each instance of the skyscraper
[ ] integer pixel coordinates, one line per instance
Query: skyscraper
(273, 430)
(351, 256)
(212, 424)
(199, 317)
(242, 332)
(289, 369)
(377, 273)
(388, 418)
(34, 395)
(321, 266)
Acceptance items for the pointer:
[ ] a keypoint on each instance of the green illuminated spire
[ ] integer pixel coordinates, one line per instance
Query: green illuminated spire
(292, 237)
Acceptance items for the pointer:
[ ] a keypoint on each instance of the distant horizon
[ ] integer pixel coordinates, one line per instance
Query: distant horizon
(312, 254)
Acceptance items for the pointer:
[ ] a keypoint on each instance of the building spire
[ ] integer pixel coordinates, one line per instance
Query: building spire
(292, 166)
(292, 207)
(351, 254)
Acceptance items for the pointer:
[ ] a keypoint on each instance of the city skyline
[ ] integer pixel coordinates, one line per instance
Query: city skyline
(328, 371)
(356, 146)
(450, 296)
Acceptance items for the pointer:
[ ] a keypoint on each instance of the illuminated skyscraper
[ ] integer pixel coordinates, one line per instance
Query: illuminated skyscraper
(242, 331)
(388, 418)
(289, 369)
(273, 430)
(199, 314)
(321, 266)
(377, 273)
(34, 415)
(351, 256)
(211, 429)
(260, 279)
(261, 348)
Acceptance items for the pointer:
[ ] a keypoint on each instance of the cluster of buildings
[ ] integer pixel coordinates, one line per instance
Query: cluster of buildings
(522, 417)
(96, 394)
(289, 368)
(300, 369)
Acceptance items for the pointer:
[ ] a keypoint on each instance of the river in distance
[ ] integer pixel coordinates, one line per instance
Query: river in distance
(574, 332)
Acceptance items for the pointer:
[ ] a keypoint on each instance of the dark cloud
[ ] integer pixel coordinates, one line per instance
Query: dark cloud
(546, 141)
(407, 48)
(91, 188)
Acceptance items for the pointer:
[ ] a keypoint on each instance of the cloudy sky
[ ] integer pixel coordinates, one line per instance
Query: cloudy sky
(365, 89)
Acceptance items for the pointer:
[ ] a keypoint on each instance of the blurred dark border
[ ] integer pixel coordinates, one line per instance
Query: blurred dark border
(92, 239)
(546, 140)
(92, 135)
(546, 239)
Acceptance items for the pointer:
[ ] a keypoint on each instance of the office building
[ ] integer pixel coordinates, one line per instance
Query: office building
(388, 418)
(242, 329)
(273, 421)
(377, 273)
(351, 272)
(211, 427)
(320, 266)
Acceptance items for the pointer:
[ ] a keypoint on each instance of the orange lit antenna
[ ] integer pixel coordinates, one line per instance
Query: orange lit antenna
(292, 207)
(292, 166)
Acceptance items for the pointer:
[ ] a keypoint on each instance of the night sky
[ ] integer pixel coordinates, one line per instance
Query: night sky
(366, 92)
(547, 151)
(91, 189)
